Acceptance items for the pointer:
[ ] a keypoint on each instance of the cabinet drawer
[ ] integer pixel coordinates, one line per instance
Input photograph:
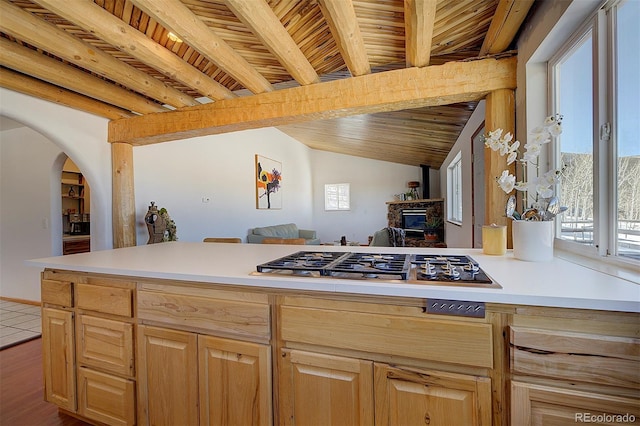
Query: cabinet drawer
(574, 356)
(464, 343)
(57, 292)
(109, 300)
(105, 398)
(105, 344)
(79, 246)
(198, 313)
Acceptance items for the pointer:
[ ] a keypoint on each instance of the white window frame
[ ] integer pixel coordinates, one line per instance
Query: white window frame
(454, 190)
(602, 26)
(337, 197)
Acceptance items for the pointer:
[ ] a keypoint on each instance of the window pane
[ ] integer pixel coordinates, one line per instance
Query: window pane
(454, 189)
(628, 128)
(575, 103)
(336, 196)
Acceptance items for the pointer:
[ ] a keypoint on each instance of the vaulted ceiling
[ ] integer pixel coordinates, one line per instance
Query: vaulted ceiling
(131, 59)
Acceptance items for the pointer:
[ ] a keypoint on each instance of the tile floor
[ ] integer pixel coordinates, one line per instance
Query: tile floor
(18, 322)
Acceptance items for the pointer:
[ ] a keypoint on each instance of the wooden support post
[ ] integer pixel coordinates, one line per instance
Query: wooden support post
(123, 197)
(500, 112)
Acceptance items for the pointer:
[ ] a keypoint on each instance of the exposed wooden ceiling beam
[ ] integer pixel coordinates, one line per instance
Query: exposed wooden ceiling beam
(419, 19)
(114, 31)
(259, 17)
(450, 83)
(504, 26)
(30, 29)
(175, 16)
(342, 20)
(30, 62)
(33, 87)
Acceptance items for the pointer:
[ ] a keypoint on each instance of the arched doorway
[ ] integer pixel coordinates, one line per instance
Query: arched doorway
(76, 209)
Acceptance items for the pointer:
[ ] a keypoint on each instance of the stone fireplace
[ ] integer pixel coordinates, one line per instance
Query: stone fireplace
(432, 208)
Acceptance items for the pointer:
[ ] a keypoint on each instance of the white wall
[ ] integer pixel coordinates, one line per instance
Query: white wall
(30, 219)
(176, 175)
(462, 235)
(372, 184)
(26, 163)
(82, 137)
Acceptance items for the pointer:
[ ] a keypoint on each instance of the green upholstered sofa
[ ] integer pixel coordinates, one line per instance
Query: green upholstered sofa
(288, 230)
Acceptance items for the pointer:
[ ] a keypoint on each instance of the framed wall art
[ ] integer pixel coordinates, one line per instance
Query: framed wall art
(268, 179)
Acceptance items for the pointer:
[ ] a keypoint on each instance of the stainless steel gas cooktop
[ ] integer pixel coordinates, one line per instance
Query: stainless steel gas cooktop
(395, 267)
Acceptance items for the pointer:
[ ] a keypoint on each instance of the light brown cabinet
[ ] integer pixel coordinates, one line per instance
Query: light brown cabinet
(106, 398)
(168, 376)
(217, 377)
(58, 356)
(412, 396)
(235, 382)
(105, 344)
(571, 367)
(321, 389)
(88, 348)
(211, 381)
(533, 404)
(121, 352)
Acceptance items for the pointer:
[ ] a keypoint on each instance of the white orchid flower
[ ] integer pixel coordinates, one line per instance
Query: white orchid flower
(550, 177)
(543, 185)
(532, 152)
(494, 144)
(539, 136)
(507, 181)
(512, 152)
(555, 129)
(495, 134)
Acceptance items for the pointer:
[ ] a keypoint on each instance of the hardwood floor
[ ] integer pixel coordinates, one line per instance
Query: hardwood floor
(21, 389)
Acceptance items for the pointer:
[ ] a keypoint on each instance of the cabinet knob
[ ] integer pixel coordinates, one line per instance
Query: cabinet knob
(427, 418)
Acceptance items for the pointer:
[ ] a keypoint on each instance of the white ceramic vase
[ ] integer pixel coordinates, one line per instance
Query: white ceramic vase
(533, 240)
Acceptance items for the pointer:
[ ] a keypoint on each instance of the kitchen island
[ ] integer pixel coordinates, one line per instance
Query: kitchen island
(190, 333)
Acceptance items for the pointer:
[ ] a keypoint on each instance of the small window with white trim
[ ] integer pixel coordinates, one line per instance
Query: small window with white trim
(336, 196)
(454, 189)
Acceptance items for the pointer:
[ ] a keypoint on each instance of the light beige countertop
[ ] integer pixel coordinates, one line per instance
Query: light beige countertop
(559, 283)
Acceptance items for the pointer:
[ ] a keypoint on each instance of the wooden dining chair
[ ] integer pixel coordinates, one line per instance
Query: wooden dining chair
(294, 241)
(222, 240)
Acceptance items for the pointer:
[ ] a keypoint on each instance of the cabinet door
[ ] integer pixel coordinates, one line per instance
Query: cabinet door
(408, 396)
(545, 405)
(58, 358)
(235, 382)
(167, 377)
(318, 389)
(106, 398)
(105, 344)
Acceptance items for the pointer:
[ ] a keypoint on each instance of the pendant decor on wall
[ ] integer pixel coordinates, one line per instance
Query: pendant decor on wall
(268, 178)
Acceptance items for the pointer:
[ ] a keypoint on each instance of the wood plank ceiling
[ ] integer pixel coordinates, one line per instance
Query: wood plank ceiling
(126, 58)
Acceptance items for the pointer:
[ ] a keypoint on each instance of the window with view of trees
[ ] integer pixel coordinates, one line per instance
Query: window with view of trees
(599, 150)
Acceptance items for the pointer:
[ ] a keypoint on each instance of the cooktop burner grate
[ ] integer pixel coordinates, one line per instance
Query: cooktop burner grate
(373, 265)
(449, 269)
(302, 261)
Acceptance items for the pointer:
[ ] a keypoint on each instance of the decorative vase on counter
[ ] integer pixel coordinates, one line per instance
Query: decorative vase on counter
(533, 240)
